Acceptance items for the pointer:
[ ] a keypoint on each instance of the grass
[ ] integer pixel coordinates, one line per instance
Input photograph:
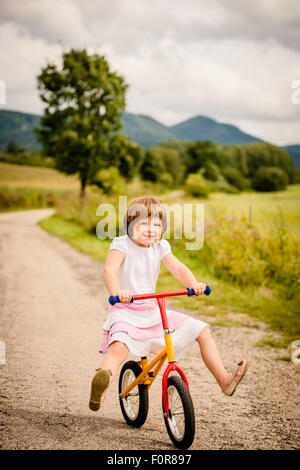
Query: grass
(76, 236)
(264, 209)
(23, 176)
(267, 303)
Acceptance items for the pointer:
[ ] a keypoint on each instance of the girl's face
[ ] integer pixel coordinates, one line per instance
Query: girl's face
(146, 232)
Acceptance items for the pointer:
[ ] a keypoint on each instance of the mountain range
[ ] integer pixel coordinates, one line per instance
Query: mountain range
(146, 131)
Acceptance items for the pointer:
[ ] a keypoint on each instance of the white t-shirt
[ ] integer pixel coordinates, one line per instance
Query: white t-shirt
(140, 269)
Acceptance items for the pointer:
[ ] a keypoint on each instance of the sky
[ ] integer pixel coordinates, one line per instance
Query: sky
(235, 61)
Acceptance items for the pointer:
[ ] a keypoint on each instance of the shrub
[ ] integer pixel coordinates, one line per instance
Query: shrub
(110, 181)
(270, 179)
(195, 185)
(235, 178)
(211, 171)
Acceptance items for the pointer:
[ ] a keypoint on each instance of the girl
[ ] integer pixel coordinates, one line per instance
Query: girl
(132, 267)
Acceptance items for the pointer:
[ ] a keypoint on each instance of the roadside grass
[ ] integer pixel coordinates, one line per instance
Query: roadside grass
(24, 176)
(76, 236)
(263, 304)
(273, 303)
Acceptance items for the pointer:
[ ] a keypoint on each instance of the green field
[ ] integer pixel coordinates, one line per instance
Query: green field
(22, 176)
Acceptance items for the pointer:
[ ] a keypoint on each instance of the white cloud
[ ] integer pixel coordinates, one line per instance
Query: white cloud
(52, 20)
(229, 60)
(22, 58)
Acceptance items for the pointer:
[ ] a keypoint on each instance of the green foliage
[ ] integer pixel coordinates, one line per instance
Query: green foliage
(110, 181)
(13, 147)
(222, 185)
(83, 211)
(125, 155)
(26, 198)
(296, 176)
(153, 166)
(268, 155)
(235, 178)
(27, 158)
(236, 157)
(202, 155)
(238, 252)
(211, 171)
(163, 164)
(84, 101)
(196, 185)
(270, 179)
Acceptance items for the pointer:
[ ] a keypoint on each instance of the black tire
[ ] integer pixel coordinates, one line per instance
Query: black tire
(134, 407)
(181, 430)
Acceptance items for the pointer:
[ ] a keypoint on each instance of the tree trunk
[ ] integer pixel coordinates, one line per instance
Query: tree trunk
(83, 181)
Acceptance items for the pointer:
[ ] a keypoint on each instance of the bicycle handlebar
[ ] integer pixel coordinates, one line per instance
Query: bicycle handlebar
(114, 299)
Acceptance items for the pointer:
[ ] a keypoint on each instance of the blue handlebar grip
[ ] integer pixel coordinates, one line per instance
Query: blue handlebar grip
(114, 299)
(192, 292)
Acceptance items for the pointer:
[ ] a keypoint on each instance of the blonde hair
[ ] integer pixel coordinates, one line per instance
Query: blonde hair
(142, 208)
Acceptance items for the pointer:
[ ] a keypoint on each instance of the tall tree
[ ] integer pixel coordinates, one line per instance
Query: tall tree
(84, 102)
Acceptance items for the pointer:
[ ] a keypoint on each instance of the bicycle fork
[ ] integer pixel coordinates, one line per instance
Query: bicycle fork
(172, 366)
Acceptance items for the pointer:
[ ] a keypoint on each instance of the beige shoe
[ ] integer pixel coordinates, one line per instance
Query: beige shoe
(241, 371)
(99, 385)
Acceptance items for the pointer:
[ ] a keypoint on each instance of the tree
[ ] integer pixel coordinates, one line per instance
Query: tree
(261, 154)
(235, 178)
(153, 166)
(163, 163)
(270, 179)
(14, 148)
(125, 155)
(84, 101)
(202, 154)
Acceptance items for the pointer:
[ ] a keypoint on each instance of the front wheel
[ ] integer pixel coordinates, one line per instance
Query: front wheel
(181, 421)
(135, 405)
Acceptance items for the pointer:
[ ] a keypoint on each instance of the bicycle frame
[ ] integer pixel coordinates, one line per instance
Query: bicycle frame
(147, 376)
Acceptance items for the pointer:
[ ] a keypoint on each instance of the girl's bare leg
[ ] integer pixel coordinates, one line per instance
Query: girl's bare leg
(211, 358)
(115, 356)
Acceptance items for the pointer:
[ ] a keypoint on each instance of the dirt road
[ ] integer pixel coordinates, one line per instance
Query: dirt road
(53, 303)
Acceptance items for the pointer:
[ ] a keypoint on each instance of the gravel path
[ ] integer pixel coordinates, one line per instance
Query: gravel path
(53, 302)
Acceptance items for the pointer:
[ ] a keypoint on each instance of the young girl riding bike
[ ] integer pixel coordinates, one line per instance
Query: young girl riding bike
(132, 267)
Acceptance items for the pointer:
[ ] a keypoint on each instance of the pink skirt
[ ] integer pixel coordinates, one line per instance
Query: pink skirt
(139, 327)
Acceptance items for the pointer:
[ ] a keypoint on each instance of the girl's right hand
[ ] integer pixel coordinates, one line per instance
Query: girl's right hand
(125, 296)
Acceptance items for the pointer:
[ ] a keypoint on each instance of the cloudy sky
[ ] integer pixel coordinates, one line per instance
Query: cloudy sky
(232, 60)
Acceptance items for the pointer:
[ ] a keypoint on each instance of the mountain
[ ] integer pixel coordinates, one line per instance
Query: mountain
(146, 131)
(204, 128)
(18, 127)
(294, 151)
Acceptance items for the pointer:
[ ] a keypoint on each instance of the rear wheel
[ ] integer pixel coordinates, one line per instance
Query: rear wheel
(181, 421)
(135, 405)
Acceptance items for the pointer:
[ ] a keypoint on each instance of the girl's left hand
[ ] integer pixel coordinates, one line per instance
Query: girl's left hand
(199, 288)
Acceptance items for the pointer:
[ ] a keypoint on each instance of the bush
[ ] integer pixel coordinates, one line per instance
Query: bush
(235, 178)
(195, 185)
(110, 181)
(211, 171)
(153, 166)
(270, 179)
